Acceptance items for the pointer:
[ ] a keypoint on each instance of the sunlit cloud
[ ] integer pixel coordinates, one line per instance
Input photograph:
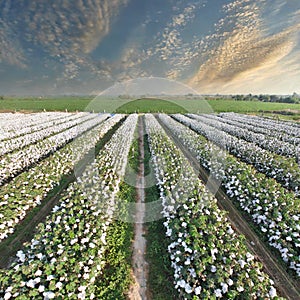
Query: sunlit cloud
(221, 47)
(243, 52)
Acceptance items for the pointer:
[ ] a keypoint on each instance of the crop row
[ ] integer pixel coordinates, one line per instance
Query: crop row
(13, 163)
(290, 128)
(262, 140)
(31, 187)
(31, 138)
(270, 130)
(274, 210)
(283, 169)
(208, 258)
(13, 125)
(66, 257)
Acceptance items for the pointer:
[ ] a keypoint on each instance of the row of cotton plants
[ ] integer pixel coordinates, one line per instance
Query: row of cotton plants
(274, 210)
(30, 188)
(290, 128)
(268, 143)
(66, 257)
(13, 163)
(283, 169)
(31, 138)
(270, 130)
(13, 125)
(209, 259)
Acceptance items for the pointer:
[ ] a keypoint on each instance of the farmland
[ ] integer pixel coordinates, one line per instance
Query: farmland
(145, 105)
(213, 198)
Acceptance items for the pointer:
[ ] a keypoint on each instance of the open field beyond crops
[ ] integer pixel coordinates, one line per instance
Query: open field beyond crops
(100, 104)
(151, 206)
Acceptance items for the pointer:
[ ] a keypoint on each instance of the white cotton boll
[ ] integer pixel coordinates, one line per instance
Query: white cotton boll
(230, 282)
(41, 289)
(58, 285)
(55, 209)
(92, 245)
(53, 260)
(198, 290)
(272, 292)
(48, 295)
(37, 280)
(9, 289)
(213, 269)
(169, 232)
(7, 296)
(242, 263)
(224, 288)
(249, 256)
(263, 229)
(39, 256)
(50, 277)
(188, 289)
(73, 241)
(60, 251)
(21, 255)
(218, 293)
(240, 288)
(82, 288)
(230, 231)
(30, 283)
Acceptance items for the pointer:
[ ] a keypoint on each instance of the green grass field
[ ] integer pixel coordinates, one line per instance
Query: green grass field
(151, 106)
(289, 111)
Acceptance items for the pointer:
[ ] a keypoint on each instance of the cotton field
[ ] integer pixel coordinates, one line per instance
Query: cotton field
(69, 169)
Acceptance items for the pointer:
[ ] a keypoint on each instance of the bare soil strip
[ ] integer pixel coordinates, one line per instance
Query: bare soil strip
(140, 267)
(287, 286)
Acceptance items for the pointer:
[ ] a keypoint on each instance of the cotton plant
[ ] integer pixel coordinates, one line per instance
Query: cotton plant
(283, 169)
(274, 209)
(283, 128)
(29, 189)
(22, 141)
(15, 162)
(12, 126)
(67, 254)
(209, 260)
(267, 142)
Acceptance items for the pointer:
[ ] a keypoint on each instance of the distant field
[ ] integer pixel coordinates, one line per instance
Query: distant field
(146, 105)
(152, 106)
(40, 104)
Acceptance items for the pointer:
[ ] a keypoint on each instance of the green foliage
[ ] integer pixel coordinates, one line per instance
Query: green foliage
(48, 104)
(116, 278)
(178, 105)
(160, 279)
(152, 106)
(133, 158)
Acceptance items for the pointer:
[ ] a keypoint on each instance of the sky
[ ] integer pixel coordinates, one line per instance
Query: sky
(87, 46)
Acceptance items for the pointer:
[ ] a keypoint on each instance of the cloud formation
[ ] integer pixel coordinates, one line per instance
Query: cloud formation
(214, 46)
(231, 54)
(66, 30)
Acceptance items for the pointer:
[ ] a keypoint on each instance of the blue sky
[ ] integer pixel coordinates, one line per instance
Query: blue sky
(85, 46)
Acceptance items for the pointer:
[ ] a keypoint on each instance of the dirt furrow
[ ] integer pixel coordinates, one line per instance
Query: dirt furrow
(140, 266)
